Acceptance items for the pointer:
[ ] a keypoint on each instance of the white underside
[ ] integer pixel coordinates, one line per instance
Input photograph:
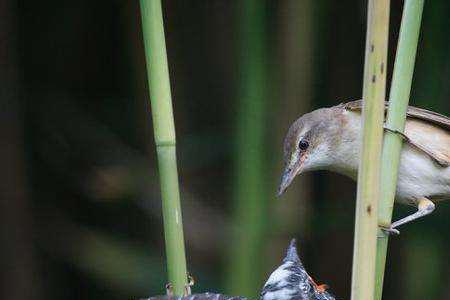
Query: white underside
(419, 176)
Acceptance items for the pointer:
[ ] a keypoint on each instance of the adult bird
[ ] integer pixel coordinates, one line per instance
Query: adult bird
(330, 139)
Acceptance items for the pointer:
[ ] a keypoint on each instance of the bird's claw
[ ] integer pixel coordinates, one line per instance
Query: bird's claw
(187, 287)
(190, 282)
(169, 289)
(390, 230)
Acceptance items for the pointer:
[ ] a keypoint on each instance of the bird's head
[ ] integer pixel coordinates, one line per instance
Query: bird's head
(309, 144)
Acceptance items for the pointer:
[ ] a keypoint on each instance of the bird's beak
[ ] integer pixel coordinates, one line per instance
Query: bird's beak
(289, 174)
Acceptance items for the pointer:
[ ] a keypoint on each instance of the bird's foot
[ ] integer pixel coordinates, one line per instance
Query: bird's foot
(187, 288)
(424, 207)
(390, 230)
(169, 289)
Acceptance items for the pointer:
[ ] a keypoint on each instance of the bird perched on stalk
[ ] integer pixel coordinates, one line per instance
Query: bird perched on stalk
(330, 139)
(290, 281)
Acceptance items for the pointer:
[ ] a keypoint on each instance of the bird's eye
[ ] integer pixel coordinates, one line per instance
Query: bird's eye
(303, 145)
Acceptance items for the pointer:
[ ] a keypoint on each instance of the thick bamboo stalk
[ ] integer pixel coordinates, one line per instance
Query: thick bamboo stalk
(399, 97)
(366, 221)
(164, 131)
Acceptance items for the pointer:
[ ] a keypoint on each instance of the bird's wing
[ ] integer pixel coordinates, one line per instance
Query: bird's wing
(439, 153)
(412, 112)
(429, 116)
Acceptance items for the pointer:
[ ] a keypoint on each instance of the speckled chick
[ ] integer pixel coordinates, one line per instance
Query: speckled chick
(290, 281)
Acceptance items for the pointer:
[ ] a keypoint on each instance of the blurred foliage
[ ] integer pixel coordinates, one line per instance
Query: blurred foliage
(84, 218)
(252, 188)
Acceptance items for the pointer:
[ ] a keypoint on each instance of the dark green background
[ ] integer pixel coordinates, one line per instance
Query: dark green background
(80, 212)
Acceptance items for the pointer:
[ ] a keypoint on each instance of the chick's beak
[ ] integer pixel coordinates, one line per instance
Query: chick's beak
(289, 174)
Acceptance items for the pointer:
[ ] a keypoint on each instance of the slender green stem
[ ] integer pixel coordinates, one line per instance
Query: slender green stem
(399, 97)
(164, 131)
(364, 253)
(251, 193)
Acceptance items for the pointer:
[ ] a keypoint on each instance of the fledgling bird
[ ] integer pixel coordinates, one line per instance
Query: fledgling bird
(330, 139)
(290, 281)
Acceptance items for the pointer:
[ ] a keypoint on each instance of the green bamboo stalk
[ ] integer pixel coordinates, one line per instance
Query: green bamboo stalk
(364, 253)
(164, 131)
(251, 195)
(399, 97)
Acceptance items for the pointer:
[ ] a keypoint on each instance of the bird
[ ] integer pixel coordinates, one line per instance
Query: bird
(290, 281)
(330, 139)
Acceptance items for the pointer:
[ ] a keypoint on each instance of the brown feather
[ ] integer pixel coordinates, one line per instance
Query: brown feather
(424, 130)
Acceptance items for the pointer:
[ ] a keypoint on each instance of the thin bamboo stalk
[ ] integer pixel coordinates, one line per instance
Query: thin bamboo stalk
(399, 97)
(164, 131)
(364, 253)
(251, 193)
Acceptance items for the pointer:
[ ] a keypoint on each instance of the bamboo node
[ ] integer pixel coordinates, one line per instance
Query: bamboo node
(165, 143)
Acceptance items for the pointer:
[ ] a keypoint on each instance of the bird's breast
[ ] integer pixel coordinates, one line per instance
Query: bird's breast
(419, 176)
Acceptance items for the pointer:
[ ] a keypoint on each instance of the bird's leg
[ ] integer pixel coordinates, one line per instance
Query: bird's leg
(424, 207)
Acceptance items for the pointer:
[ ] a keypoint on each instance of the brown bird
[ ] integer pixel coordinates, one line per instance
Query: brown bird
(330, 139)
